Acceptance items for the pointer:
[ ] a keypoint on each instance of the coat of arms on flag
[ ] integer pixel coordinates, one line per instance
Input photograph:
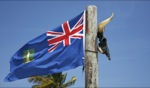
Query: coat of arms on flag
(28, 55)
(55, 51)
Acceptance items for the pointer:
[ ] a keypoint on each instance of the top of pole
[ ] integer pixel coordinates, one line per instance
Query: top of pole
(91, 28)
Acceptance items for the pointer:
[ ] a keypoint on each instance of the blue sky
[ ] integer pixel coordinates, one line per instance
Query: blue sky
(127, 34)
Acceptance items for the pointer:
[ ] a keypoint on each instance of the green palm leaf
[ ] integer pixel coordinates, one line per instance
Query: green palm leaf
(69, 83)
(51, 81)
(63, 78)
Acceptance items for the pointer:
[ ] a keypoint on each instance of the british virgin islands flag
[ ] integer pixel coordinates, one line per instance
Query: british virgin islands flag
(55, 51)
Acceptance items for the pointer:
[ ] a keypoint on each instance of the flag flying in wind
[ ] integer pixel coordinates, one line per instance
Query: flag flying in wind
(55, 51)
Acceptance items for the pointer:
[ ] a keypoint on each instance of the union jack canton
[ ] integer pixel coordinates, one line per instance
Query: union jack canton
(69, 30)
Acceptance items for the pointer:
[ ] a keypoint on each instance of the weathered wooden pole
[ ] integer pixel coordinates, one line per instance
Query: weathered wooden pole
(91, 54)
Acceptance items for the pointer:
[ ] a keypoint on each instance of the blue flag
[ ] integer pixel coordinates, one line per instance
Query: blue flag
(55, 51)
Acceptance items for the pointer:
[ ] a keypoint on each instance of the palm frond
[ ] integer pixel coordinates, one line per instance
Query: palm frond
(57, 78)
(36, 79)
(42, 81)
(52, 81)
(48, 84)
(63, 78)
(35, 86)
(69, 83)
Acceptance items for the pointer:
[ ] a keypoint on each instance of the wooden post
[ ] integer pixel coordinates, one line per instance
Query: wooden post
(91, 54)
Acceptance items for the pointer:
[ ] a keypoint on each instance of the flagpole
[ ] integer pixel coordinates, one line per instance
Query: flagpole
(91, 54)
